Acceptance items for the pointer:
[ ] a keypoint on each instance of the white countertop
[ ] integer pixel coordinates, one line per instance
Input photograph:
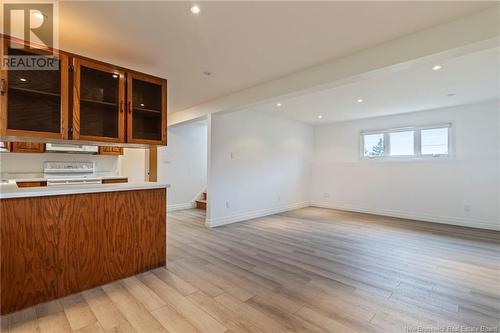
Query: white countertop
(10, 190)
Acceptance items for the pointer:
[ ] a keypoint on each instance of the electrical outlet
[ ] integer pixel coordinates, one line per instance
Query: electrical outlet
(467, 208)
(227, 204)
(233, 155)
(326, 195)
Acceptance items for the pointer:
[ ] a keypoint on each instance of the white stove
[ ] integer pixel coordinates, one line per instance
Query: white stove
(70, 173)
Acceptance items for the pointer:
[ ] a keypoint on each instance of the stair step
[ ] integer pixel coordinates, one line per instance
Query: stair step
(201, 204)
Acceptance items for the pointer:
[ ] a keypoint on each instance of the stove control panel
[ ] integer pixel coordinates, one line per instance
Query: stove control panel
(69, 167)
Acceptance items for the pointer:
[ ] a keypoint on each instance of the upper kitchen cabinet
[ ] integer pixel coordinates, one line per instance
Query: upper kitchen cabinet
(34, 100)
(78, 99)
(98, 102)
(147, 109)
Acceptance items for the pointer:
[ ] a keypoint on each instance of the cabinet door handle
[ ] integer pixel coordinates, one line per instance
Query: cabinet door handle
(129, 107)
(121, 106)
(2, 87)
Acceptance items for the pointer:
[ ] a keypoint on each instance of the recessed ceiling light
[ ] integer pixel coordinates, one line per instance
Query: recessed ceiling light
(115, 76)
(320, 117)
(23, 79)
(437, 67)
(279, 104)
(38, 14)
(360, 100)
(195, 9)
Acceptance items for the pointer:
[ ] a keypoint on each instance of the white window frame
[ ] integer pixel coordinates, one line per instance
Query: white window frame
(417, 143)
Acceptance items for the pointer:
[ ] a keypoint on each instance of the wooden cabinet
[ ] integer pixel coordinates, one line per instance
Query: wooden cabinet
(34, 103)
(86, 101)
(98, 102)
(31, 184)
(115, 180)
(27, 147)
(28, 243)
(147, 109)
(110, 150)
(54, 246)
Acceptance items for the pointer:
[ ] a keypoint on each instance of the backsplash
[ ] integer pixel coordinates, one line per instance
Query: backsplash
(31, 165)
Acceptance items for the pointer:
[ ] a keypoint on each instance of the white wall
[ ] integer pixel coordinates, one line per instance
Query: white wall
(183, 164)
(258, 165)
(19, 165)
(134, 164)
(432, 190)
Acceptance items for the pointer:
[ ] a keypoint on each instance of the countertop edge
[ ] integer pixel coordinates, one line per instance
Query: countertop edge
(11, 191)
(44, 179)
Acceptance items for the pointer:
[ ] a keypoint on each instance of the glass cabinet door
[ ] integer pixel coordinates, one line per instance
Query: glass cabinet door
(34, 94)
(98, 102)
(147, 107)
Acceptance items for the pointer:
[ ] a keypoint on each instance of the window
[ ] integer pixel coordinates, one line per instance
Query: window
(373, 145)
(402, 143)
(430, 141)
(434, 141)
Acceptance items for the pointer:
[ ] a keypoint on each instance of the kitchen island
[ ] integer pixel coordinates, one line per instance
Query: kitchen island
(58, 240)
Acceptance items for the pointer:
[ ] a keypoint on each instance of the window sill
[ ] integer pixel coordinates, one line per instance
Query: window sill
(407, 158)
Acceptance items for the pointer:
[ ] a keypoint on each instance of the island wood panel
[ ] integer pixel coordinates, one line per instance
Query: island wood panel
(128, 237)
(81, 247)
(28, 251)
(58, 245)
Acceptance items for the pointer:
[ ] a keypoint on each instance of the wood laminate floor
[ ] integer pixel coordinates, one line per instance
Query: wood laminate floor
(309, 270)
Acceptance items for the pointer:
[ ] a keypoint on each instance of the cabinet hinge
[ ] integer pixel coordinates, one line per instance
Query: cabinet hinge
(70, 130)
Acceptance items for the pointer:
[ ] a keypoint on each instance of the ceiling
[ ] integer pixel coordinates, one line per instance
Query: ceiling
(241, 43)
(469, 78)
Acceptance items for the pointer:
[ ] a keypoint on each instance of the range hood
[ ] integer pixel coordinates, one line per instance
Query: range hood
(74, 149)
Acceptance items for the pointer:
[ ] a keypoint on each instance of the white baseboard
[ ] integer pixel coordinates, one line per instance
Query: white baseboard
(181, 206)
(253, 214)
(463, 222)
